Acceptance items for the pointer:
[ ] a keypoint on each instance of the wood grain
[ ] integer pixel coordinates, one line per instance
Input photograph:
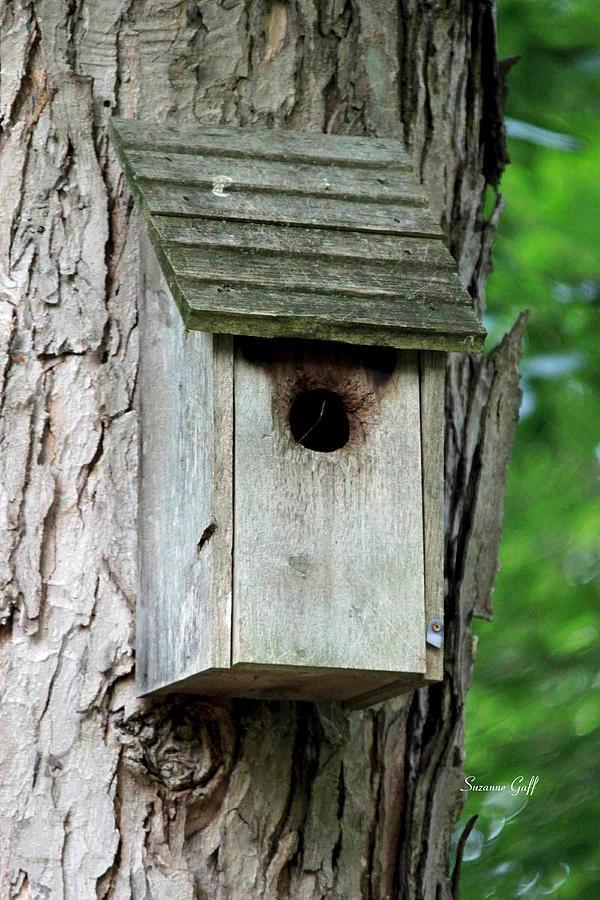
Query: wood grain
(432, 370)
(215, 140)
(328, 594)
(303, 683)
(185, 490)
(381, 185)
(328, 547)
(409, 253)
(432, 377)
(255, 229)
(287, 207)
(268, 313)
(341, 277)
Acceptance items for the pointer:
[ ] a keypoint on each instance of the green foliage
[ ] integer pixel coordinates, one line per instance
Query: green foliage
(535, 705)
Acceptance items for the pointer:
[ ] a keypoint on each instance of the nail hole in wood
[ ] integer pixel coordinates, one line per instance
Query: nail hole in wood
(318, 421)
(207, 534)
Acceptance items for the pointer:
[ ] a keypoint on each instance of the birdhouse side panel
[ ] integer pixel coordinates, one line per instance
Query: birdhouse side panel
(433, 425)
(185, 489)
(328, 544)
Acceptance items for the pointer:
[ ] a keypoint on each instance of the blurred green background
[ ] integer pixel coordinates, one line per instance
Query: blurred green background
(535, 704)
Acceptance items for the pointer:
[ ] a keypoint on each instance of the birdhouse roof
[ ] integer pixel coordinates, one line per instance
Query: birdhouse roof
(279, 233)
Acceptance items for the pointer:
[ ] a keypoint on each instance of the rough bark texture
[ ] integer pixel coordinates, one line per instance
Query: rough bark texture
(102, 795)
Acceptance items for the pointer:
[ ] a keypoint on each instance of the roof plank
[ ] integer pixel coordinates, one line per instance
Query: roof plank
(289, 146)
(267, 313)
(409, 252)
(381, 185)
(284, 208)
(344, 277)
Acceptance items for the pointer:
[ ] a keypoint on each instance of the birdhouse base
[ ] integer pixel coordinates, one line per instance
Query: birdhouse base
(352, 687)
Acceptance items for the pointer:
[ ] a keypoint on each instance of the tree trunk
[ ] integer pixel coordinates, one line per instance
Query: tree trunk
(103, 795)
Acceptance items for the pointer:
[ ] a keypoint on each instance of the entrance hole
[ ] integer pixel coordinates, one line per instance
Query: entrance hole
(318, 420)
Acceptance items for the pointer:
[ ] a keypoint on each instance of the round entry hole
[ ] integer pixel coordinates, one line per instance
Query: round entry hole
(318, 420)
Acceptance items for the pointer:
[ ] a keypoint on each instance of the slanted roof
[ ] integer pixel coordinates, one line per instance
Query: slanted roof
(274, 233)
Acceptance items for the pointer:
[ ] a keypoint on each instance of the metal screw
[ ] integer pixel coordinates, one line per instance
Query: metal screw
(435, 629)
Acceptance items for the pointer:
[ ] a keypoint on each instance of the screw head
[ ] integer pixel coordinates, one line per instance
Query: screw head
(435, 630)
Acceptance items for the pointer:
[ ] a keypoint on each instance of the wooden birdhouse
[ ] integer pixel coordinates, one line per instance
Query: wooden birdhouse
(292, 413)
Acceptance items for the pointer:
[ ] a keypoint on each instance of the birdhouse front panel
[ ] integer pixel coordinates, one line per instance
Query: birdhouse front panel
(291, 413)
(328, 520)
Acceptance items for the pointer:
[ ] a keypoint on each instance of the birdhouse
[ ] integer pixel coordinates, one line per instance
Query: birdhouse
(291, 413)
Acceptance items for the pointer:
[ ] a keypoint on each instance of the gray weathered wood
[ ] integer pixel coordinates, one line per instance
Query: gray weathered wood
(432, 375)
(215, 140)
(328, 547)
(185, 491)
(432, 368)
(268, 313)
(375, 280)
(411, 254)
(304, 683)
(284, 207)
(229, 180)
(383, 185)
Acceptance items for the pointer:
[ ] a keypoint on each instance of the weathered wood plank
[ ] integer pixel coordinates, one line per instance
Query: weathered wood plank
(373, 280)
(301, 314)
(433, 374)
(286, 208)
(290, 683)
(330, 181)
(360, 152)
(408, 253)
(328, 554)
(218, 612)
(185, 490)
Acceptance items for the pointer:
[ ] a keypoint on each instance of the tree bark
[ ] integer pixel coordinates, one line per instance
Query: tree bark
(103, 795)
